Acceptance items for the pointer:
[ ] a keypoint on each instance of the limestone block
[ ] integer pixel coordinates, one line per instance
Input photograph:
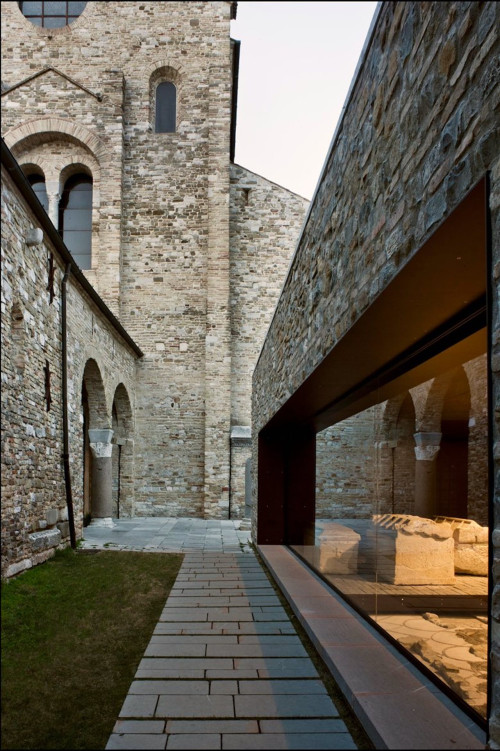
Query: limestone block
(337, 551)
(51, 516)
(49, 538)
(63, 528)
(63, 514)
(18, 567)
(471, 545)
(413, 550)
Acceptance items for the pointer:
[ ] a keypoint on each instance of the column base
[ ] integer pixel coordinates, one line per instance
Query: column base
(105, 521)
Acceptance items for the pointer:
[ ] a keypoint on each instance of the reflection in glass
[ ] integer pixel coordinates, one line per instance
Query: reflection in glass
(401, 522)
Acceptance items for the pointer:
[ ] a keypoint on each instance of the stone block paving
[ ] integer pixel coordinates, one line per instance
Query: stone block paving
(225, 669)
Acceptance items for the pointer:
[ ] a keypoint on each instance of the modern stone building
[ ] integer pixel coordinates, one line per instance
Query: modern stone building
(122, 117)
(375, 442)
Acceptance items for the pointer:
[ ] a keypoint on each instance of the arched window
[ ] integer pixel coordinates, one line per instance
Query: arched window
(37, 182)
(75, 218)
(52, 15)
(166, 96)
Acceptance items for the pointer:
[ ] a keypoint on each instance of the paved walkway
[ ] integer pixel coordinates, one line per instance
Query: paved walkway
(170, 535)
(224, 668)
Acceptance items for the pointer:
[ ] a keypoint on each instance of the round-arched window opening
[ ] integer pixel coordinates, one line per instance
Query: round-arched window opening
(75, 218)
(51, 15)
(166, 105)
(37, 182)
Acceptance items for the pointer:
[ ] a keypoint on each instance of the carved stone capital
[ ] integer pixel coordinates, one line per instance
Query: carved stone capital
(100, 443)
(427, 446)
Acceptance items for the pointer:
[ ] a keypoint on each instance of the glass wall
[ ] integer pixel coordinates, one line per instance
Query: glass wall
(401, 521)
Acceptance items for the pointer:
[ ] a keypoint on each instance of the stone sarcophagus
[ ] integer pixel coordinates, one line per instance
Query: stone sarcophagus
(412, 550)
(336, 551)
(471, 545)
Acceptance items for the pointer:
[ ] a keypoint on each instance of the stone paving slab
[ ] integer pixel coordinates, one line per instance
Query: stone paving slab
(225, 669)
(286, 741)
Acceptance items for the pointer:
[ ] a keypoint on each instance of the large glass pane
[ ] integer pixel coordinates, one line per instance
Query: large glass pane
(75, 218)
(401, 521)
(79, 243)
(80, 196)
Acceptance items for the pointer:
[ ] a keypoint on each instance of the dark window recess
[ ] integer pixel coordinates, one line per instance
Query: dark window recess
(50, 282)
(48, 398)
(75, 218)
(166, 96)
(52, 15)
(37, 182)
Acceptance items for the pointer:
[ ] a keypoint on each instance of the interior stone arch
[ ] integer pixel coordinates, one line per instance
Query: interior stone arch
(123, 453)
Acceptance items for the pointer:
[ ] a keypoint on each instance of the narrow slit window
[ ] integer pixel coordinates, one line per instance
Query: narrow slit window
(166, 107)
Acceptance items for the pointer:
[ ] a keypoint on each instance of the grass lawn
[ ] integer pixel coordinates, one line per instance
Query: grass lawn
(73, 632)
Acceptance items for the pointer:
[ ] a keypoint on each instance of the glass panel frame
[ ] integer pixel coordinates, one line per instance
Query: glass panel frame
(52, 14)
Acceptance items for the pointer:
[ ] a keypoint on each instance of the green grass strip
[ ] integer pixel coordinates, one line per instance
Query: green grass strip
(73, 632)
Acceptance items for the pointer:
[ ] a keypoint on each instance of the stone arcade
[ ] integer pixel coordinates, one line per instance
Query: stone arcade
(184, 248)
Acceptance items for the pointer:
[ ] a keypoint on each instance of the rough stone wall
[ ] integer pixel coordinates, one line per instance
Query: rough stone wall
(265, 226)
(34, 511)
(265, 223)
(53, 123)
(161, 220)
(432, 69)
(419, 131)
(164, 199)
(346, 468)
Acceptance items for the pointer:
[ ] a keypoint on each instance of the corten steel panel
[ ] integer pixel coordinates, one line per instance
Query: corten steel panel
(300, 486)
(287, 479)
(437, 300)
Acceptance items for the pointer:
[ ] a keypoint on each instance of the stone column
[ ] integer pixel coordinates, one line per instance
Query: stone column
(53, 198)
(102, 477)
(426, 450)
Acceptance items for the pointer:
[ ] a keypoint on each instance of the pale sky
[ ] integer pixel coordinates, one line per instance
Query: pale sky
(296, 66)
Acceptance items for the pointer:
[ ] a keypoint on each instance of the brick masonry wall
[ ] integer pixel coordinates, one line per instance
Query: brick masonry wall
(265, 222)
(163, 220)
(163, 202)
(420, 130)
(34, 510)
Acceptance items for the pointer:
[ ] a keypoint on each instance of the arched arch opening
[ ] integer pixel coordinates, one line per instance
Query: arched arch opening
(452, 459)
(94, 419)
(123, 454)
(165, 91)
(75, 218)
(165, 107)
(36, 179)
(403, 480)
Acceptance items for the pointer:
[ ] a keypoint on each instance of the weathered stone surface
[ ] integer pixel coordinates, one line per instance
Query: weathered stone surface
(189, 251)
(471, 545)
(337, 551)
